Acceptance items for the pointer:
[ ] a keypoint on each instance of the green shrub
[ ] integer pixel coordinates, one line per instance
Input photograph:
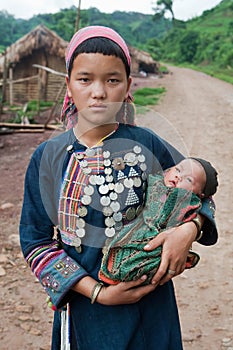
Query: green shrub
(148, 96)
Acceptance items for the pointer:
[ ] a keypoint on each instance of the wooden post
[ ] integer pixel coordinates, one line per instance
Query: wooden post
(11, 87)
(3, 84)
(39, 91)
(55, 104)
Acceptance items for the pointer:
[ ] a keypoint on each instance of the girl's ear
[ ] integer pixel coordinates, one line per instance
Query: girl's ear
(128, 87)
(68, 86)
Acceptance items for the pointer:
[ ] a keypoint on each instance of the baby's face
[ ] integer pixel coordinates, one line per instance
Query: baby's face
(188, 174)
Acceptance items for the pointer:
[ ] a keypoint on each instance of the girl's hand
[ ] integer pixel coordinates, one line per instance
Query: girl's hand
(175, 243)
(124, 292)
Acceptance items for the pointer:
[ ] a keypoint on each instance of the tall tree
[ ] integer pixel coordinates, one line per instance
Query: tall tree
(78, 16)
(162, 7)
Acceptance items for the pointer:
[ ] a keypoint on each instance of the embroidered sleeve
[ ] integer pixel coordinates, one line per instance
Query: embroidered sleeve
(56, 271)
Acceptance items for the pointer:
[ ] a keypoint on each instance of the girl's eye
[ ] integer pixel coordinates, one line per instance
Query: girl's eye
(84, 80)
(113, 81)
(189, 179)
(178, 170)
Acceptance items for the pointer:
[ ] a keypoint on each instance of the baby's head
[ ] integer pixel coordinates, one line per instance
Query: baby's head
(194, 174)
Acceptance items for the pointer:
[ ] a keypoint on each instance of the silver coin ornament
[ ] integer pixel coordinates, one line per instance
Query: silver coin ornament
(109, 178)
(137, 149)
(80, 223)
(80, 232)
(119, 187)
(137, 182)
(117, 216)
(82, 211)
(79, 156)
(105, 201)
(115, 206)
(92, 180)
(99, 179)
(131, 159)
(107, 211)
(76, 241)
(110, 231)
(113, 196)
(110, 188)
(103, 189)
(86, 200)
(90, 152)
(128, 183)
(109, 222)
(89, 190)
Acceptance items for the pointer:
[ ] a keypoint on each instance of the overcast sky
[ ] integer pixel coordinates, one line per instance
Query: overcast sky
(183, 9)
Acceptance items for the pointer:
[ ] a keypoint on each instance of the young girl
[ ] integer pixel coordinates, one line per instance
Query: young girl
(88, 182)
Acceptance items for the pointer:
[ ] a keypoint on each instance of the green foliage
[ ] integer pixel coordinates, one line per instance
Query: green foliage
(29, 111)
(155, 48)
(188, 46)
(204, 41)
(163, 70)
(136, 28)
(214, 71)
(33, 105)
(148, 96)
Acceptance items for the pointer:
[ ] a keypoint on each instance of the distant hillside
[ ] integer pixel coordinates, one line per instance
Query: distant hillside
(136, 28)
(204, 40)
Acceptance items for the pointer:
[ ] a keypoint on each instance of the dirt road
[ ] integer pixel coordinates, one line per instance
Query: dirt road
(196, 115)
(198, 109)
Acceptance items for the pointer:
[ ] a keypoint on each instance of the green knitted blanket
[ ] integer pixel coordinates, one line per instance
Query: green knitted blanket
(124, 259)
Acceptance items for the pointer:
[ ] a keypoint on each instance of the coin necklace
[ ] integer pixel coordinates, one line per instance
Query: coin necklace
(107, 188)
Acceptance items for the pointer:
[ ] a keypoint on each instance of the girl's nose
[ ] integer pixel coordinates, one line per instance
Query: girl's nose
(98, 90)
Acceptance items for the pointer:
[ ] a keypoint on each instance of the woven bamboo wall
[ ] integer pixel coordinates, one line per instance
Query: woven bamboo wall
(27, 90)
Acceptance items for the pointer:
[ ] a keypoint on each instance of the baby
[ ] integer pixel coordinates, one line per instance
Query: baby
(172, 199)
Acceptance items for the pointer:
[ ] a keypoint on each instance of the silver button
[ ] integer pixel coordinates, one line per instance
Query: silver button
(110, 231)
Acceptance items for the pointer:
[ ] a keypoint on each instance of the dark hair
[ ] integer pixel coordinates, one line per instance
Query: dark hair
(211, 177)
(100, 45)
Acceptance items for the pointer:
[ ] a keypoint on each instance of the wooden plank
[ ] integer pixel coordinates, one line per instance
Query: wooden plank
(20, 80)
(31, 126)
(28, 131)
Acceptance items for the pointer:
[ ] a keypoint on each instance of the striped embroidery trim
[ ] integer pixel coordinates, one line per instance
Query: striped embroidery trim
(48, 258)
(72, 191)
(38, 251)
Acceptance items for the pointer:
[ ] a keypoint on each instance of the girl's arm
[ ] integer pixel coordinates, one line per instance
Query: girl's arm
(56, 271)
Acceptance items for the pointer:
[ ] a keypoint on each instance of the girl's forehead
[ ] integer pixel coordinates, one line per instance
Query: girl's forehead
(98, 61)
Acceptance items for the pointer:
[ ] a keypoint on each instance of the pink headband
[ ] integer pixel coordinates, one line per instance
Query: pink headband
(93, 32)
(69, 110)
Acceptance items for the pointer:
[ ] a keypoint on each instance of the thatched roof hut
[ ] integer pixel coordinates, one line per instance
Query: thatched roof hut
(142, 61)
(39, 38)
(43, 47)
